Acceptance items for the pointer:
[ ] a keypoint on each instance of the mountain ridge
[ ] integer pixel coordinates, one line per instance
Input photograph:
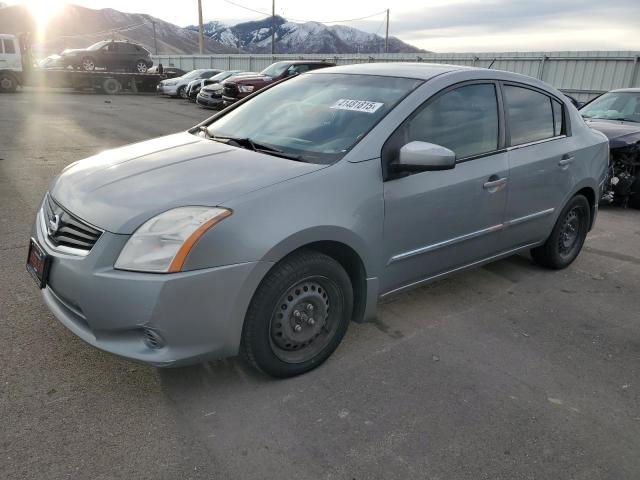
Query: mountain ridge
(308, 37)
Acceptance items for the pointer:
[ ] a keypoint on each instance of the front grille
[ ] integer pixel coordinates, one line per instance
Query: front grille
(66, 230)
(230, 90)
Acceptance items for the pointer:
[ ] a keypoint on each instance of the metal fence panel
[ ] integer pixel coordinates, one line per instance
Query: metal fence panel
(582, 74)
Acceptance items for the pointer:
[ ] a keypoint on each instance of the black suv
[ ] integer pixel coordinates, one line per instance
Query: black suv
(109, 54)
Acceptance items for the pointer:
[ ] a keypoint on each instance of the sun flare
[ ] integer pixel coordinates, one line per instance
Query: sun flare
(43, 11)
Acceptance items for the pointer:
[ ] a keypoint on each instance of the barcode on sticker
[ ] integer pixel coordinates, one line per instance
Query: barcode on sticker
(357, 105)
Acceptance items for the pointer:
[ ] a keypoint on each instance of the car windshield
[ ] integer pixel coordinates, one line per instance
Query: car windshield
(192, 74)
(97, 46)
(314, 117)
(275, 69)
(623, 106)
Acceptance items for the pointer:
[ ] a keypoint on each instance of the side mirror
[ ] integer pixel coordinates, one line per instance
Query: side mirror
(424, 157)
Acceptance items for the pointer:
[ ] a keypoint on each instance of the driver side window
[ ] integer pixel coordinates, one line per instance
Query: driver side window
(464, 120)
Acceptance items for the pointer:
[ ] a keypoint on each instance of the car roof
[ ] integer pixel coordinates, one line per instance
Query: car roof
(307, 62)
(630, 90)
(422, 71)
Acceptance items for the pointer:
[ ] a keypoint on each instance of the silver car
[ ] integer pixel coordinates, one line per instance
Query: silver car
(177, 87)
(269, 227)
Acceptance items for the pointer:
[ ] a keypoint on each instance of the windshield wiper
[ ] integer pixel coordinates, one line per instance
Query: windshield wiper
(246, 142)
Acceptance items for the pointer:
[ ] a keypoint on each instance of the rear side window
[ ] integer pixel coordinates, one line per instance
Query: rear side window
(9, 46)
(464, 120)
(529, 114)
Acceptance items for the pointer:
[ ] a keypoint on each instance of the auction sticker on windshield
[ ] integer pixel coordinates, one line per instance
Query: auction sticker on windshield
(357, 105)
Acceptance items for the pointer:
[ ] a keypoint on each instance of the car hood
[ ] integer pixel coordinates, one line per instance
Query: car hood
(619, 133)
(118, 190)
(73, 51)
(252, 79)
(216, 87)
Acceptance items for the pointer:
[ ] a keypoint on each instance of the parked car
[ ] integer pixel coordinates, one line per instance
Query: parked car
(210, 96)
(108, 54)
(240, 88)
(617, 115)
(194, 86)
(169, 72)
(176, 87)
(267, 228)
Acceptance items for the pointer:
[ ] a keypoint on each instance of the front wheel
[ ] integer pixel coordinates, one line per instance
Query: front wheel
(8, 83)
(567, 237)
(298, 315)
(88, 64)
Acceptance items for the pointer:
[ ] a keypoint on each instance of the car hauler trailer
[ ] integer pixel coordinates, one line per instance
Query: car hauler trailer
(17, 69)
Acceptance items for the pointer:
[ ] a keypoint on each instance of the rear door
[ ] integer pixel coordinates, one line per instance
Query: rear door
(540, 162)
(438, 221)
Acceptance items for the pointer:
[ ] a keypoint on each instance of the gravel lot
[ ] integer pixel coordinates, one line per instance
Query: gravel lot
(503, 372)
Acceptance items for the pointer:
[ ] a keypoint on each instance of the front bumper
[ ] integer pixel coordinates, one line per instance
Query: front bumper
(197, 314)
(167, 90)
(208, 101)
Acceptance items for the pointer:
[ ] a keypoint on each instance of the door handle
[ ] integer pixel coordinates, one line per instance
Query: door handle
(495, 184)
(566, 160)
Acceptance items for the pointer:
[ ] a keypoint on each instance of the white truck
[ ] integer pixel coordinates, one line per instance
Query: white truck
(12, 68)
(17, 70)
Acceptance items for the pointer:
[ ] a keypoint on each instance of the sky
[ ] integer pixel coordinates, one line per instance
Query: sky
(437, 25)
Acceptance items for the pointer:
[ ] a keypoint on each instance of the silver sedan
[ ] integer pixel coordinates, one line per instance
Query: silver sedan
(269, 227)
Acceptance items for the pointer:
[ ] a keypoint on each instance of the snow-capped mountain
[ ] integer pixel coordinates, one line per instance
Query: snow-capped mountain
(309, 37)
(77, 27)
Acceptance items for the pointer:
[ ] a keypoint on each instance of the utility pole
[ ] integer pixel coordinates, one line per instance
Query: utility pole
(386, 37)
(201, 27)
(155, 41)
(273, 27)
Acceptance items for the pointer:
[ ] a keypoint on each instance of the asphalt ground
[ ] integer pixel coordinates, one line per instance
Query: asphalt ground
(503, 372)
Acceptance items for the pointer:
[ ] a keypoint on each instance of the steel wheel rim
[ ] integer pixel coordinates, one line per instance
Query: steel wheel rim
(6, 83)
(298, 332)
(570, 231)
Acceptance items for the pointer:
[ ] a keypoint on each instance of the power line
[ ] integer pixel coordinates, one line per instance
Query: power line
(266, 14)
(247, 8)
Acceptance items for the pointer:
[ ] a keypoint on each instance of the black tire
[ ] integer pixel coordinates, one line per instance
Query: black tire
(8, 83)
(567, 237)
(634, 199)
(280, 337)
(88, 64)
(180, 92)
(111, 86)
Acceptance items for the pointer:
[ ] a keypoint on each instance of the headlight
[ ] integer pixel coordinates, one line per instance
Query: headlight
(163, 243)
(245, 88)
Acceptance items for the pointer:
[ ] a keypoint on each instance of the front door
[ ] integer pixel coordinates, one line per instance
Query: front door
(438, 221)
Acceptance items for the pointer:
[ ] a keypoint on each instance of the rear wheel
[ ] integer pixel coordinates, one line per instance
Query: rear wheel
(88, 64)
(141, 66)
(8, 83)
(634, 199)
(567, 237)
(182, 92)
(298, 315)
